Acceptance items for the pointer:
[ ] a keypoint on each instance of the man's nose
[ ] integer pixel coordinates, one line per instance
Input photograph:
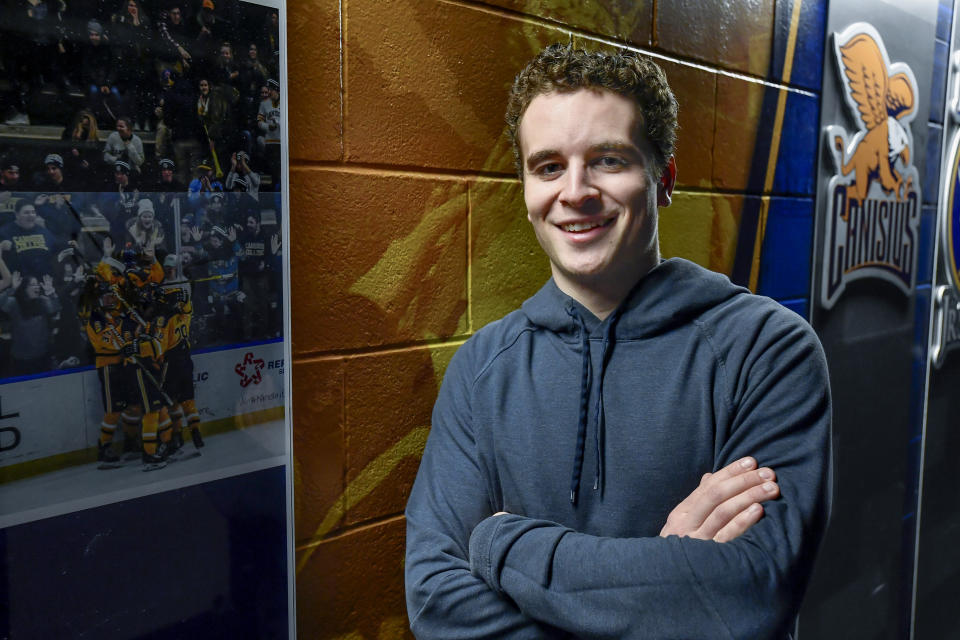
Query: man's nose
(578, 188)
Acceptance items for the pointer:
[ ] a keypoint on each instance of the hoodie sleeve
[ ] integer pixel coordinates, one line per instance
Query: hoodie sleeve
(449, 497)
(777, 393)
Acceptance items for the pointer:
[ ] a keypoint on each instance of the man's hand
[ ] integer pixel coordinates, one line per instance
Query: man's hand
(726, 503)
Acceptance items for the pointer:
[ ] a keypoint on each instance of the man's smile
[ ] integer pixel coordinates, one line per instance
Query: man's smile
(580, 227)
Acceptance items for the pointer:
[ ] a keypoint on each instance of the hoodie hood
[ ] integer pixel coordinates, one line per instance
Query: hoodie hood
(671, 295)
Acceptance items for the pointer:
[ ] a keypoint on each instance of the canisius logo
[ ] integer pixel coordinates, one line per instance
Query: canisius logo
(873, 209)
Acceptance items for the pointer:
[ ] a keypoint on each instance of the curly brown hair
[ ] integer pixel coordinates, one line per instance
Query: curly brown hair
(562, 68)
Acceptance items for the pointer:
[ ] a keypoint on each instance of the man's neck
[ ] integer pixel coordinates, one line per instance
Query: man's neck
(603, 296)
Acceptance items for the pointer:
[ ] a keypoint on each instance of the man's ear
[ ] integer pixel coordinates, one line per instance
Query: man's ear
(665, 185)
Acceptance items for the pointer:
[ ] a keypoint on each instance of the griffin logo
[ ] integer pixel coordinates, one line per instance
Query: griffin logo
(873, 208)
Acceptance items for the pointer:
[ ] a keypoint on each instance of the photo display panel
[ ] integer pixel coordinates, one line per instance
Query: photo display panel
(145, 469)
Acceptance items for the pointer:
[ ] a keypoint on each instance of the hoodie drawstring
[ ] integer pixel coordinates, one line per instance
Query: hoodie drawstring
(608, 339)
(585, 384)
(584, 403)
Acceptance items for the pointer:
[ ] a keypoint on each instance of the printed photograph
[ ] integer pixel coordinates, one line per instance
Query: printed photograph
(141, 252)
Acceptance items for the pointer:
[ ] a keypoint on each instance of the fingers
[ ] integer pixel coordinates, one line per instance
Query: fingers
(743, 521)
(721, 486)
(731, 509)
(720, 498)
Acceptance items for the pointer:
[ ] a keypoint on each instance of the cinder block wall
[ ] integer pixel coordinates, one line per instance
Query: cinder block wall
(409, 232)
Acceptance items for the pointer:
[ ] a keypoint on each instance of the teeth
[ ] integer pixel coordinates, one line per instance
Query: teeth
(581, 226)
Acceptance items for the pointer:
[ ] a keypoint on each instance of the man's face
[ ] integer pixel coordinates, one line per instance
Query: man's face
(120, 177)
(589, 187)
(11, 175)
(55, 173)
(166, 174)
(226, 54)
(123, 128)
(26, 217)
(94, 38)
(175, 15)
(252, 224)
(264, 93)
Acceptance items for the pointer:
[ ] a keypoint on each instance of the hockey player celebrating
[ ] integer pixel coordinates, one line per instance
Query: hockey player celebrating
(177, 363)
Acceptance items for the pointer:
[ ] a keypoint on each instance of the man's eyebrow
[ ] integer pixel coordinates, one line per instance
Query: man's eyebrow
(540, 156)
(615, 145)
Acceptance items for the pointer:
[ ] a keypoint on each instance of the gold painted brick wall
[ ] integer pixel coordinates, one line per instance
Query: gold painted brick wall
(408, 234)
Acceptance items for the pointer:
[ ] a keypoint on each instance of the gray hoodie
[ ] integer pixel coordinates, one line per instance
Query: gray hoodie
(589, 433)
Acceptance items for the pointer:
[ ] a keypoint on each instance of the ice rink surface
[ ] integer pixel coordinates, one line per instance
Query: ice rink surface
(79, 487)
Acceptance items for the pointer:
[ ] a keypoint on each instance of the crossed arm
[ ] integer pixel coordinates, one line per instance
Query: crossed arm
(731, 560)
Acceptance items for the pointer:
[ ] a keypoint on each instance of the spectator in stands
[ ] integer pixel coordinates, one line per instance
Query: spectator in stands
(254, 73)
(99, 76)
(167, 190)
(25, 245)
(254, 278)
(174, 36)
(52, 179)
(54, 209)
(82, 158)
(268, 117)
(214, 112)
(117, 205)
(163, 142)
(144, 233)
(31, 305)
(224, 252)
(225, 75)
(9, 174)
(205, 44)
(203, 186)
(167, 180)
(192, 239)
(132, 41)
(240, 169)
(11, 190)
(69, 339)
(180, 113)
(218, 213)
(271, 42)
(124, 144)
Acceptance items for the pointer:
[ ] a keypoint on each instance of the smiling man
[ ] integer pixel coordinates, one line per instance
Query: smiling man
(698, 413)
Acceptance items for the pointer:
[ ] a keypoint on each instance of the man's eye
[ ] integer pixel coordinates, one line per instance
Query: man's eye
(549, 169)
(611, 162)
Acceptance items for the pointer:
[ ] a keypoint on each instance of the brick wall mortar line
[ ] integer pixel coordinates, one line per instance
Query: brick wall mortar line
(350, 354)
(401, 171)
(344, 87)
(343, 93)
(349, 530)
(651, 51)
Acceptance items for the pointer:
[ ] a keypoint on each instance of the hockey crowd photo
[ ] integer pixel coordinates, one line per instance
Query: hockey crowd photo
(140, 203)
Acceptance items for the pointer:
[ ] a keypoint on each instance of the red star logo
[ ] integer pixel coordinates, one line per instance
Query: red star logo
(249, 370)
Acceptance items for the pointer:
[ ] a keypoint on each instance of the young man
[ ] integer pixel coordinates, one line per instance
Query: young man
(594, 467)
(124, 144)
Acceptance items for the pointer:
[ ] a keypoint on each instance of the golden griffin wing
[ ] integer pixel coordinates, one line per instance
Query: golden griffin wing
(865, 75)
(899, 96)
